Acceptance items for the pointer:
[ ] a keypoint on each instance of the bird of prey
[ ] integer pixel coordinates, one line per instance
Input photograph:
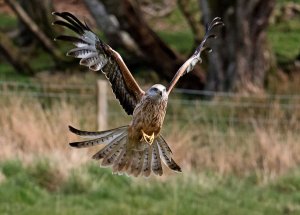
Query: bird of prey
(138, 148)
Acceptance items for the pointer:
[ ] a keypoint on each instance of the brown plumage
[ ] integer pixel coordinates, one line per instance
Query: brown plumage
(136, 149)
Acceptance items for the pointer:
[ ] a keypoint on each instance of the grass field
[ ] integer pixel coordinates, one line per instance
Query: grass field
(225, 171)
(40, 189)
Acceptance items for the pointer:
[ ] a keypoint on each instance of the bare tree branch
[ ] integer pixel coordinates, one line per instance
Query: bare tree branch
(14, 56)
(158, 9)
(110, 27)
(34, 28)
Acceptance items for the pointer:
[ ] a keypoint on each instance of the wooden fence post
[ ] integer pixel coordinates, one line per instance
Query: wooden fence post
(102, 104)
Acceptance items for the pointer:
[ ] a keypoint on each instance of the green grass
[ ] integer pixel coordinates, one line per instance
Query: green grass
(7, 22)
(91, 190)
(286, 1)
(7, 72)
(42, 61)
(181, 41)
(285, 40)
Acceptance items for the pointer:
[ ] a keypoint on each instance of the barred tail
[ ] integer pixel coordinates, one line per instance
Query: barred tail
(145, 159)
(101, 137)
(137, 159)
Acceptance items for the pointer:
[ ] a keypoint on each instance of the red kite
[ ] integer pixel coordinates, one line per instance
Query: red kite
(135, 149)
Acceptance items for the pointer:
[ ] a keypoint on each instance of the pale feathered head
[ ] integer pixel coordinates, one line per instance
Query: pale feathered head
(157, 92)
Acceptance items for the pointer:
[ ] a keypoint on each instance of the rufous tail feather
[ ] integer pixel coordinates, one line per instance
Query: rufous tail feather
(137, 159)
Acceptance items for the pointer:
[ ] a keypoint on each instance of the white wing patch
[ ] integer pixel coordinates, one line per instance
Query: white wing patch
(86, 50)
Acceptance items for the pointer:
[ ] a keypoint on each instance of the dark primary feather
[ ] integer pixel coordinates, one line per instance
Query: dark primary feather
(71, 39)
(195, 58)
(165, 153)
(72, 20)
(97, 55)
(97, 134)
(214, 23)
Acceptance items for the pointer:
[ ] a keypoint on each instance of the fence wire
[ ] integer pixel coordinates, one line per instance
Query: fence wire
(188, 106)
(4, 85)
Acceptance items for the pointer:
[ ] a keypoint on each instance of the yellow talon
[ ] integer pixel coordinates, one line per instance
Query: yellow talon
(148, 139)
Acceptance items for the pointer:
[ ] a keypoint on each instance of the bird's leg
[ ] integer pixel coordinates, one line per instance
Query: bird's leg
(148, 139)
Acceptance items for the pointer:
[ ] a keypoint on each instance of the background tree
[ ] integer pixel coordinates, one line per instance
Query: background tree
(241, 58)
(35, 21)
(40, 13)
(158, 55)
(109, 25)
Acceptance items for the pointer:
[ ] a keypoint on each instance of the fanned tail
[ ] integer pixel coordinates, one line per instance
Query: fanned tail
(146, 159)
(127, 157)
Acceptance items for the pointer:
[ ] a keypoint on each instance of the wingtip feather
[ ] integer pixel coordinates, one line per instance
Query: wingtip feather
(74, 144)
(72, 129)
(177, 169)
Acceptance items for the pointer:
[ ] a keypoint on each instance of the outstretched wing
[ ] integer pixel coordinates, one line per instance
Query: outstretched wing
(97, 55)
(195, 58)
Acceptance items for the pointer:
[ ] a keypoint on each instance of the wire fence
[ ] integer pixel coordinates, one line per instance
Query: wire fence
(4, 85)
(221, 109)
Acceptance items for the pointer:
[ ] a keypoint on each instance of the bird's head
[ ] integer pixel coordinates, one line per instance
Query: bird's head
(157, 92)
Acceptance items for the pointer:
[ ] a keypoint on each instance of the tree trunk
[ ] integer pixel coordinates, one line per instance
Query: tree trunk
(192, 20)
(40, 13)
(160, 56)
(240, 58)
(110, 27)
